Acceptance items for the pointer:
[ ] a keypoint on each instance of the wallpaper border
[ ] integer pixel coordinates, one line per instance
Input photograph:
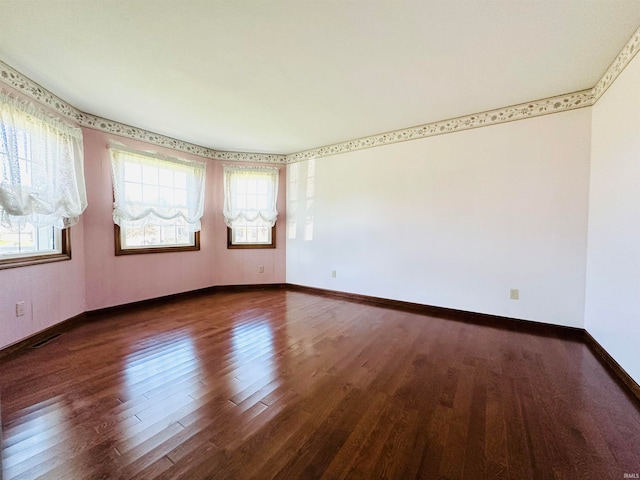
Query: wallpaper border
(623, 59)
(521, 111)
(546, 106)
(28, 87)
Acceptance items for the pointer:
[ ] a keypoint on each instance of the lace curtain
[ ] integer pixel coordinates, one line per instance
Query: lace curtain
(41, 168)
(250, 193)
(154, 189)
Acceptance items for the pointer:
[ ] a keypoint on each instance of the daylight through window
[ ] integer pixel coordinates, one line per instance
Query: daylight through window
(158, 201)
(42, 189)
(250, 194)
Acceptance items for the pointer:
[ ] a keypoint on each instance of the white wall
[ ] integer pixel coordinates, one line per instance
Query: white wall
(612, 311)
(454, 220)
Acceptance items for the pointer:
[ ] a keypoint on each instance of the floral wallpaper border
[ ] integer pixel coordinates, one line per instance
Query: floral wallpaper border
(28, 87)
(623, 59)
(560, 103)
(546, 106)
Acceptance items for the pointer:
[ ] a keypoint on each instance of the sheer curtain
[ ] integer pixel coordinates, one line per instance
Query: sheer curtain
(250, 193)
(154, 189)
(41, 168)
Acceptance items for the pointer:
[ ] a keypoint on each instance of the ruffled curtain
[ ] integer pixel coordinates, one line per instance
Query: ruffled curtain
(154, 189)
(250, 193)
(41, 168)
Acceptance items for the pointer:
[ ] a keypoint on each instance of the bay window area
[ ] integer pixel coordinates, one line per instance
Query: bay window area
(42, 189)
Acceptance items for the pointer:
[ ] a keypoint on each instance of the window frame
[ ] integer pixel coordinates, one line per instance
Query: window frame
(231, 245)
(27, 260)
(41, 142)
(152, 157)
(230, 201)
(155, 249)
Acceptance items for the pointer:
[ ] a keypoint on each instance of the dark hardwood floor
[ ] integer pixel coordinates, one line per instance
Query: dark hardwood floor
(285, 384)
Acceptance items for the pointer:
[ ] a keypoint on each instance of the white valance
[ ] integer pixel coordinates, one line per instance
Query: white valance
(250, 193)
(41, 167)
(154, 189)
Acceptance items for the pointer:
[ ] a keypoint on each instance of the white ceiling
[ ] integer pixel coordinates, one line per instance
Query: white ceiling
(285, 76)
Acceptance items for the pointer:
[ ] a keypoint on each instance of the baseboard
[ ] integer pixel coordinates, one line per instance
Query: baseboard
(31, 340)
(70, 323)
(508, 323)
(183, 295)
(543, 329)
(621, 374)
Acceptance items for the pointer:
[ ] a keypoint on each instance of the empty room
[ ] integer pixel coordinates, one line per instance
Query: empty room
(320, 239)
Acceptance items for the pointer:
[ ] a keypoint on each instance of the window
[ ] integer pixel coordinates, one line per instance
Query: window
(250, 206)
(42, 189)
(30, 245)
(158, 201)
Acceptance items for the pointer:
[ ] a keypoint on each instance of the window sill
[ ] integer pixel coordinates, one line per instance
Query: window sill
(35, 260)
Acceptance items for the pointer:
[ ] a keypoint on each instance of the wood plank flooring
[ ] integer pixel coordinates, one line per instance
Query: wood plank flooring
(289, 385)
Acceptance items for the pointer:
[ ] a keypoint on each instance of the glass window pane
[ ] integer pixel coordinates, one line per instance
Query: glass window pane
(165, 177)
(133, 172)
(166, 196)
(180, 198)
(149, 194)
(180, 180)
(252, 234)
(30, 241)
(263, 235)
(169, 235)
(240, 235)
(182, 236)
(25, 173)
(151, 235)
(156, 236)
(133, 237)
(149, 175)
(133, 192)
(45, 239)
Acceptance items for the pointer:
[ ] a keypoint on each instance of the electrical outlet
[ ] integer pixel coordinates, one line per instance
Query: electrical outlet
(334, 274)
(514, 294)
(260, 268)
(20, 309)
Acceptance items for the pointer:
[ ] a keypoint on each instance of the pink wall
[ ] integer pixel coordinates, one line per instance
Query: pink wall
(95, 278)
(52, 292)
(112, 280)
